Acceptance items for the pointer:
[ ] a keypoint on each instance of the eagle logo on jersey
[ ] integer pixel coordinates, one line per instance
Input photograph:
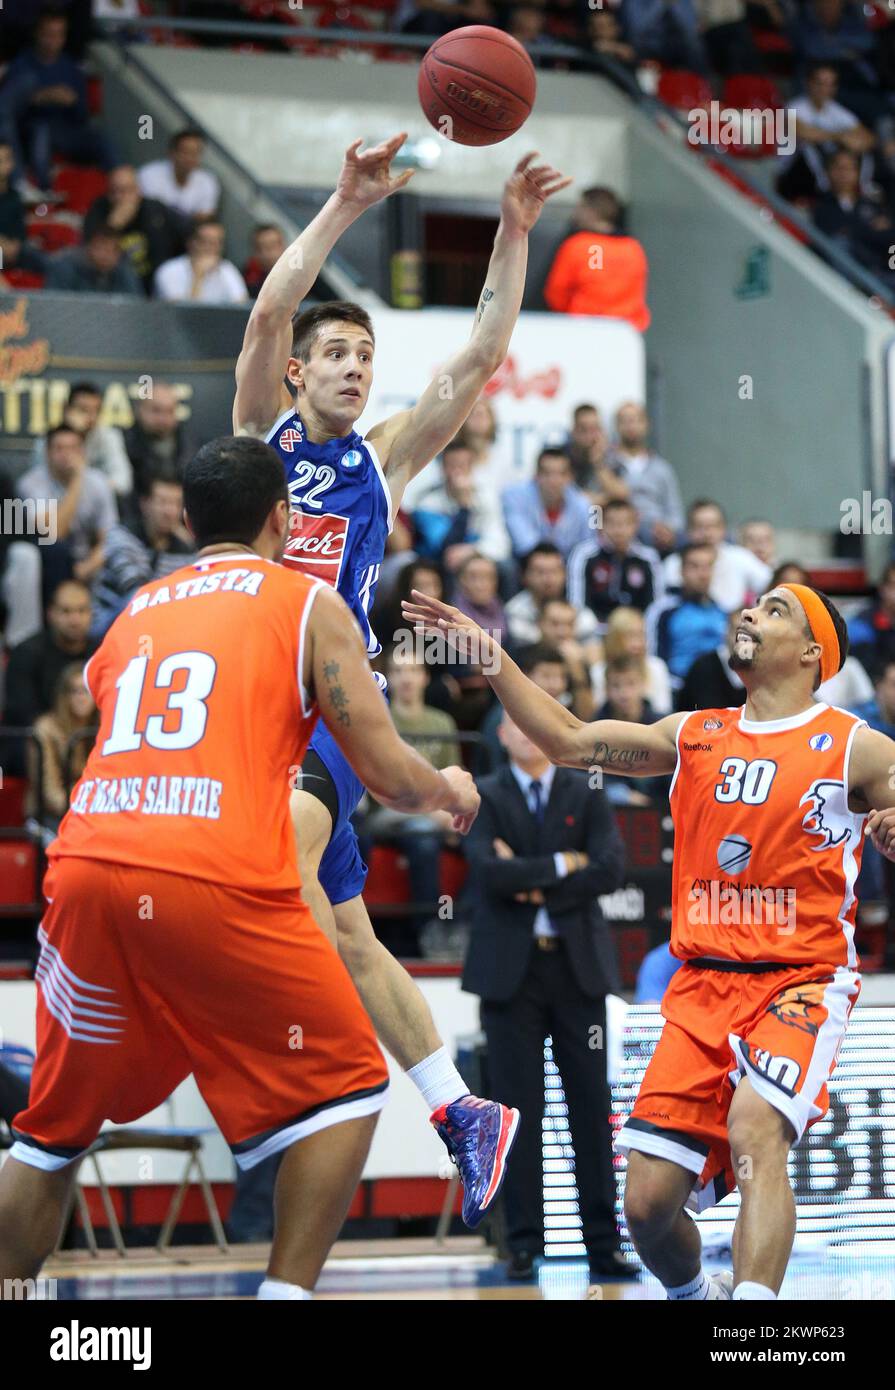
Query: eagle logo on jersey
(792, 1007)
(823, 818)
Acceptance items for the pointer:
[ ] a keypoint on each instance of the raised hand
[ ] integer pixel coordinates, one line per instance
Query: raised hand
(366, 176)
(527, 190)
(471, 642)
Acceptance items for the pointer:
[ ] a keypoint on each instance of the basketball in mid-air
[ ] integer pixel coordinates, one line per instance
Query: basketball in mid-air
(476, 85)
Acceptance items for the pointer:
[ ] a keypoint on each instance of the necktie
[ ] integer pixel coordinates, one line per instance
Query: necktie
(537, 802)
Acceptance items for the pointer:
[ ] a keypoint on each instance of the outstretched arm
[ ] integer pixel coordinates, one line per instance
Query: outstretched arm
(365, 179)
(630, 750)
(406, 442)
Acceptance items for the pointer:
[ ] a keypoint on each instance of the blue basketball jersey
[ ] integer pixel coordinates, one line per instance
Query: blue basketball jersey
(341, 513)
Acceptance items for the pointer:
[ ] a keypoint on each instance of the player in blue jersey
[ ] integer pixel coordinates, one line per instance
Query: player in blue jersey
(345, 490)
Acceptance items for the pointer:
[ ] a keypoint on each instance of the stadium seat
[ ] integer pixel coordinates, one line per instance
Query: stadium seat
(52, 235)
(94, 95)
(12, 801)
(79, 185)
(752, 90)
(684, 90)
(23, 279)
(387, 882)
(18, 874)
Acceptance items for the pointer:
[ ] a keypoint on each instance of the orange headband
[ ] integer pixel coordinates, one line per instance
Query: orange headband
(821, 625)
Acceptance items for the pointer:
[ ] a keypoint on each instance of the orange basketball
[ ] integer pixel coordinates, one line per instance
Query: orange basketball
(476, 85)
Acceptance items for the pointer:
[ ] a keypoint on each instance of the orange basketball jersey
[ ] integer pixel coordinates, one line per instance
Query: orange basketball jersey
(203, 724)
(766, 850)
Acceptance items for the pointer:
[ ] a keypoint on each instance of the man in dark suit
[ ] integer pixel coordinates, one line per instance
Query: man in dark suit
(540, 957)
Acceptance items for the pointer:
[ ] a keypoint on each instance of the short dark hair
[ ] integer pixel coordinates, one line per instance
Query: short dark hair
(162, 473)
(189, 132)
(101, 229)
(540, 654)
(84, 388)
(701, 502)
(616, 504)
(781, 568)
(606, 204)
(542, 548)
(266, 227)
(580, 409)
(688, 549)
(229, 487)
(552, 451)
(454, 446)
(821, 65)
(306, 323)
(620, 665)
(62, 428)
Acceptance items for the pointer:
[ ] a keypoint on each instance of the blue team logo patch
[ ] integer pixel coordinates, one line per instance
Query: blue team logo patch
(820, 742)
(353, 459)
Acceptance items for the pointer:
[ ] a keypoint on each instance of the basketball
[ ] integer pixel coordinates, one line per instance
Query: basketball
(476, 85)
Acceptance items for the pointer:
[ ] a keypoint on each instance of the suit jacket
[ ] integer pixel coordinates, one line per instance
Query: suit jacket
(577, 817)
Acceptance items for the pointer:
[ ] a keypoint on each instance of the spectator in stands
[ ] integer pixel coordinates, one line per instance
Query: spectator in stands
(21, 611)
(710, 683)
(492, 462)
(80, 500)
(97, 267)
(759, 537)
(871, 632)
(651, 480)
(546, 668)
(626, 636)
(543, 578)
(557, 630)
(179, 181)
(789, 572)
(268, 245)
(822, 127)
(436, 17)
(666, 33)
(598, 269)
(525, 23)
(432, 733)
(454, 516)
(739, 577)
(15, 252)
(43, 106)
(725, 30)
(626, 699)
(682, 626)
(607, 38)
(36, 665)
(879, 711)
(854, 218)
(156, 439)
(203, 275)
(588, 449)
(614, 568)
(549, 508)
(543, 849)
(53, 772)
(140, 551)
(835, 32)
(476, 594)
(148, 231)
(103, 444)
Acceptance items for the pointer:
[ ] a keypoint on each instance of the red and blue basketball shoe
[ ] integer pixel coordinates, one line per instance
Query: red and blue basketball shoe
(478, 1135)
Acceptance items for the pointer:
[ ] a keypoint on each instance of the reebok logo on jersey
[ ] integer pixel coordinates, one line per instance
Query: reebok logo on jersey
(699, 747)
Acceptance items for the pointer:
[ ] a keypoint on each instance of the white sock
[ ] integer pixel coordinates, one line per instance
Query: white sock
(277, 1288)
(437, 1079)
(753, 1291)
(698, 1288)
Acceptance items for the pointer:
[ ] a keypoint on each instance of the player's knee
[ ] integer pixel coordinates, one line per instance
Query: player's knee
(652, 1202)
(759, 1136)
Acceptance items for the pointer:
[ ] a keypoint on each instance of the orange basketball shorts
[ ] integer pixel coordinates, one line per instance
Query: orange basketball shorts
(780, 1027)
(145, 977)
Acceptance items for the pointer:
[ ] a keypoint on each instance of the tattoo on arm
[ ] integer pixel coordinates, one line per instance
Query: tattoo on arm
(606, 756)
(486, 295)
(338, 697)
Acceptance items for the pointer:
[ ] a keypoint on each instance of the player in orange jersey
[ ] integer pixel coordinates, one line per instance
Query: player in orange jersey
(176, 939)
(770, 805)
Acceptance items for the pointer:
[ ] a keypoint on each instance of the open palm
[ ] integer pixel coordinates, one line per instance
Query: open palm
(527, 190)
(366, 178)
